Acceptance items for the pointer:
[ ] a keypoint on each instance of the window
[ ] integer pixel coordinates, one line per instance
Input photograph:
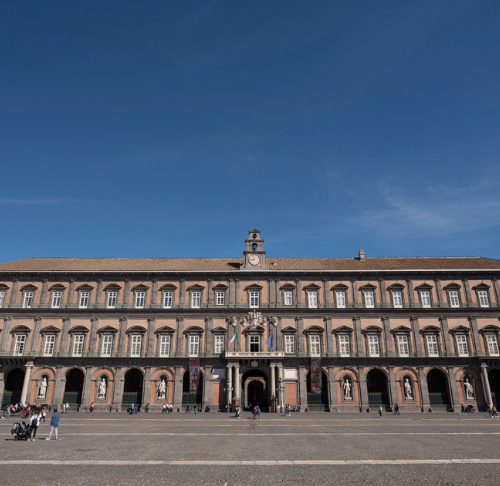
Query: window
(340, 299)
(314, 345)
(195, 299)
(2, 298)
(168, 299)
(403, 345)
(462, 347)
(369, 298)
(194, 345)
(254, 344)
(492, 343)
(50, 342)
(425, 297)
(84, 300)
(397, 298)
(56, 299)
(432, 345)
(344, 346)
(28, 299)
(107, 345)
(288, 297)
(454, 300)
(483, 298)
(19, 344)
(254, 298)
(289, 343)
(220, 298)
(112, 298)
(373, 346)
(135, 345)
(219, 344)
(78, 340)
(312, 300)
(164, 346)
(140, 298)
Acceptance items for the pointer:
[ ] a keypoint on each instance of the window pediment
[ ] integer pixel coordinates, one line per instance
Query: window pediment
(135, 330)
(254, 330)
(430, 329)
(253, 287)
(57, 287)
(3, 287)
(452, 286)
(165, 330)
(423, 286)
(367, 287)
(288, 287)
(314, 330)
(140, 288)
(401, 330)
(311, 287)
(340, 288)
(489, 329)
(193, 330)
(50, 330)
(28, 288)
(219, 330)
(112, 287)
(107, 329)
(396, 286)
(20, 330)
(372, 330)
(220, 287)
(460, 330)
(289, 330)
(342, 330)
(84, 288)
(168, 288)
(195, 288)
(481, 286)
(78, 330)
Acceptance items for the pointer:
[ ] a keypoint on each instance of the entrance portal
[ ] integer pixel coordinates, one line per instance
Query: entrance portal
(13, 387)
(132, 389)
(437, 384)
(74, 387)
(188, 397)
(494, 379)
(254, 390)
(376, 382)
(255, 393)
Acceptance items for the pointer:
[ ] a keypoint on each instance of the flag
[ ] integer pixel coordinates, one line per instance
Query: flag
(235, 339)
(270, 341)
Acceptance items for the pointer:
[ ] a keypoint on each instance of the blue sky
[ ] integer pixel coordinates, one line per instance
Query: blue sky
(170, 129)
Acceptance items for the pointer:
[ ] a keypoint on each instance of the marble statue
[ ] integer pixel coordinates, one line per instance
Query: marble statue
(42, 393)
(162, 389)
(102, 389)
(469, 391)
(408, 392)
(347, 389)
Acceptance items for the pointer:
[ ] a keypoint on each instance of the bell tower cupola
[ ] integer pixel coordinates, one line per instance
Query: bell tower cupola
(255, 256)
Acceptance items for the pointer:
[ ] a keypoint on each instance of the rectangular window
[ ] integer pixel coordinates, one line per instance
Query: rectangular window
(288, 297)
(195, 299)
(56, 299)
(28, 299)
(194, 345)
(112, 298)
(254, 299)
(483, 298)
(254, 344)
(135, 345)
(219, 344)
(19, 344)
(289, 343)
(344, 346)
(373, 346)
(492, 342)
(140, 298)
(403, 346)
(425, 297)
(164, 346)
(107, 345)
(462, 347)
(432, 345)
(340, 299)
(369, 298)
(221, 298)
(168, 299)
(314, 345)
(2, 298)
(397, 298)
(454, 300)
(312, 300)
(84, 300)
(78, 340)
(50, 342)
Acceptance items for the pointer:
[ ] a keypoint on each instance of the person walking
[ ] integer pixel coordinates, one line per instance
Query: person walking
(396, 409)
(91, 408)
(147, 408)
(195, 408)
(187, 408)
(462, 410)
(42, 414)
(54, 424)
(34, 423)
(380, 411)
(257, 412)
(164, 409)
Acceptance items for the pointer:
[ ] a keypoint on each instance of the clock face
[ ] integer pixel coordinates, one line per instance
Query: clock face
(254, 259)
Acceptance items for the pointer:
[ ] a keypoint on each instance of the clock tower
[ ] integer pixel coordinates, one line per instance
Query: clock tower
(255, 256)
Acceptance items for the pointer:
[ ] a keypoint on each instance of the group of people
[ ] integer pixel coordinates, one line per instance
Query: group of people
(66, 407)
(256, 412)
(196, 408)
(37, 417)
(492, 410)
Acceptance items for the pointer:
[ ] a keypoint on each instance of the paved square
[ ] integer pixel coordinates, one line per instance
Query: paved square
(217, 449)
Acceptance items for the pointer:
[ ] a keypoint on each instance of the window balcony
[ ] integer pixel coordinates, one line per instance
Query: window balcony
(259, 354)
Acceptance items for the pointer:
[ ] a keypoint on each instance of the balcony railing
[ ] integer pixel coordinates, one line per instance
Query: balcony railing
(260, 354)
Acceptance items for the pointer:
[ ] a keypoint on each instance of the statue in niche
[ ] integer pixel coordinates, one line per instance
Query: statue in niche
(347, 389)
(102, 389)
(469, 391)
(407, 389)
(162, 389)
(42, 392)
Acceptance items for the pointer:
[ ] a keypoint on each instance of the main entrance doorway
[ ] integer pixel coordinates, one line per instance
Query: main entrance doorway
(494, 379)
(376, 382)
(437, 384)
(132, 389)
(254, 390)
(13, 387)
(74, 387)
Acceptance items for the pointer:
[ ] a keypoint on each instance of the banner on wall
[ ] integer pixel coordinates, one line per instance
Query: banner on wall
(194, 374)
(316, 375)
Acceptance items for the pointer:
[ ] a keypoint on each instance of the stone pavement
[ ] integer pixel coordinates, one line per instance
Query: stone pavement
(217, 449)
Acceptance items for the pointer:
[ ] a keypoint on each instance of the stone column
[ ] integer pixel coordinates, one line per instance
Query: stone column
(45, 288)
(14, 292)
(281, 397)
(277, 293)
(358, 336)
(2, 382)
(229, 384)
(151, 336)
(98, 293)
(179, 351)
(475, 335)
(486, 384)
(329, 336)
(355, 294)
(273, 382)
(26, 382)
(411, 293)
(455, 396)
(59, 383)
(363, 389)
(35, 341)
(87, 387)
(270, 292)
(439, 292)
(393, 386)
(71, 292)
(383, 297)
(424, 390)
(146, 396)
(300, 334)
(417, 340)
(154, 293)
(302, 388)
(279, 335)
(118, 388)
(446, 336)
(237, 292)
(94, 324)
(5, 335)
(182, 292)
(496, 293)
(64, 341)
(122, 336)
(332, 385)
(237, 382)
(389, 343)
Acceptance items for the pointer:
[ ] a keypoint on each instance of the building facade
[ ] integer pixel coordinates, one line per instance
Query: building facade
(333, 334)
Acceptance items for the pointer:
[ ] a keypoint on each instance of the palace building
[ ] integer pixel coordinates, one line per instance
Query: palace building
(332, 334)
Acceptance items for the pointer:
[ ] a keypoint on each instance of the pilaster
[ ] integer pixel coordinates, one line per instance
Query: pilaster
(446, 336)
(279, 335)
(154, 292)
(45, 288)
(424, 390)
(298, 292)
(454, 389)
(14, 292)
(122, 336)
(179, 351)
(358, 336)
(71, 292)
(60, 380)
(383, 296)
(35, 341)
(389, 343)
(326, 294)
(468, 297)
(151, 336)
(87, 387)
(98, 292)
(417, 340)
(355, 293)
(118, 388)
(486, 384)
(146, 396)
(182, 292)
(332, 385)
(329, 336)
(94, 324)
(393, 386)
(26, 382)
(496, 291)
(411, 292)
(302, 388)
(64, 341)
(476, 342)
(5, 335)
(126, 293)
(363, 389)
(439, 292)
(299, 323)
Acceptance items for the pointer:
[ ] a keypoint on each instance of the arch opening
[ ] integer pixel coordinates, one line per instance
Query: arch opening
(13, 387)
(187, 396)
(437, 384)
(494, 379)
(74, 387)
(376, 382)
(132, 388)
(317, 401)
(255, 390)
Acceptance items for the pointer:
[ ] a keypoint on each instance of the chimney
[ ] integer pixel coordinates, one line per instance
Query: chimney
(361, 255)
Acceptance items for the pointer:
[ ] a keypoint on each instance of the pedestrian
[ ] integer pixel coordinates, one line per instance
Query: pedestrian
(494, 412)
(91, 408)
(147, 408)
(164, 409)
(67, 407)
(187, 408)
(195, 408)
(171, 408)
(54, 424)
(257, 412)
(254, 413)
(462, 410)
(34, 423)
(136, 409)
(132, 408)
(396, 409)
(380, 411)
